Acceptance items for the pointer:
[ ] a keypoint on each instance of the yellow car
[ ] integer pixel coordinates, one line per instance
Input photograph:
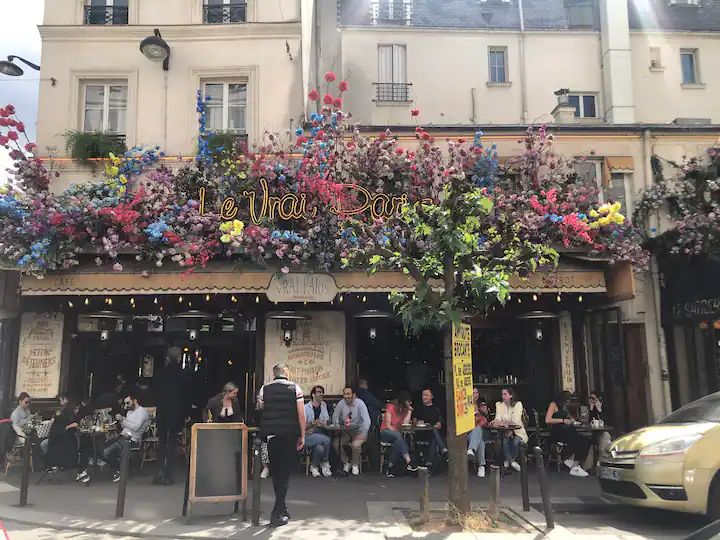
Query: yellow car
(673, 465)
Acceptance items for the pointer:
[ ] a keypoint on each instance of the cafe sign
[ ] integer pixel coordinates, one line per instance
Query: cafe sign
(302, 287)
(462, 377)
(39, 355)
(708, 307)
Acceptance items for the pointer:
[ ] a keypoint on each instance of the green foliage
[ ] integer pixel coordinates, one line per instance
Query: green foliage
(220, 142)
(83, 146)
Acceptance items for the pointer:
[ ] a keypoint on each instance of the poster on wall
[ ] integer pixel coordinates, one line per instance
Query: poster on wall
(39, 355)
(316, 354)
(462, 377)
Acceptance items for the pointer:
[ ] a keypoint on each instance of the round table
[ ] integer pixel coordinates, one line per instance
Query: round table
(592, 430)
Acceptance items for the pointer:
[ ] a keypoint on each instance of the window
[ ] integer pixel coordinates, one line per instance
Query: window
(688, 63)
(105, 107)
(655, 58)
(106, 12)
(585, 105)
(683, 2)
(581, 13)
(389, 11)
(226, 107)
(224, 11)
(615, 191)
(497, 62)
(392, 82)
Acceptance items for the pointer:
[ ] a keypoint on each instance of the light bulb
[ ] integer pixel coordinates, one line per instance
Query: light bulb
(580, 298)
(535, 297)
(257, 299)
(207, 297)
(155, 301)
(180, 300)
(87, 301)
(70, 304)
(558, 297)
(110, 301)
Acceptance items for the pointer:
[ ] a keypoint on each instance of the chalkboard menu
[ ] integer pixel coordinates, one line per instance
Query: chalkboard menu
(218, 463)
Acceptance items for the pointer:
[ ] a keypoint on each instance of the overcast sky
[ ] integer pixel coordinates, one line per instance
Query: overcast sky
(19, 36)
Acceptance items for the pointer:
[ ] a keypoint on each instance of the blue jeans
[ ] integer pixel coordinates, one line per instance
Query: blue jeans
(399, 446)
(511, 447)
(476, 443)
(319, 445)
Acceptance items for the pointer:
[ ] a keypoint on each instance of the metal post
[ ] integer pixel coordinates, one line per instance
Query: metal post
(186, 497)
(544, 488)
(257, 469)
(424, 495)
(524, 478)
(122, 484)
(494, 492)
(25, 479)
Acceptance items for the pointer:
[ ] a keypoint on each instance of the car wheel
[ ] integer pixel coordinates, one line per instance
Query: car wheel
(713, 508)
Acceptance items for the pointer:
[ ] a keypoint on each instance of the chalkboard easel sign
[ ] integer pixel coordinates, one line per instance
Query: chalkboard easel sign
(218, 464)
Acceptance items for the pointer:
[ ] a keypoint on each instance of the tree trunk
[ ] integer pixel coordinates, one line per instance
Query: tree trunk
(457, 444)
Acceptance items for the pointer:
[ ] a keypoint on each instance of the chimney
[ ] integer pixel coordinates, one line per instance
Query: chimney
(563, 113)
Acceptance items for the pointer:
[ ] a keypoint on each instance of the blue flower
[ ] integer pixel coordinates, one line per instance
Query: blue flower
(299, 131)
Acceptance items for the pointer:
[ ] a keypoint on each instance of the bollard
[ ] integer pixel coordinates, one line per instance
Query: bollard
(524, 478)
(494, 512)
(424, 495)
(25, 478)
(544, 488)
(257, 469)
(122, 484)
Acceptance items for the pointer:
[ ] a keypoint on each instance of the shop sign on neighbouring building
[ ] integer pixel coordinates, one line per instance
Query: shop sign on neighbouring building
(462, 377)
(39, 355)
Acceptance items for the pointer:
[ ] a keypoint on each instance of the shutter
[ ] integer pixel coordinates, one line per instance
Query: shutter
(385, 63)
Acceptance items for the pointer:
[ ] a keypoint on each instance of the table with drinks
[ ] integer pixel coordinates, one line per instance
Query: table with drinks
(100, 424)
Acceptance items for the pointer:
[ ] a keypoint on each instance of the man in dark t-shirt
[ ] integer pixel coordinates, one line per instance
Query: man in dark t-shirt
(428, 413)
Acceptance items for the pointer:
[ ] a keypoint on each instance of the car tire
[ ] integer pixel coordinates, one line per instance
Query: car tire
(713, 505)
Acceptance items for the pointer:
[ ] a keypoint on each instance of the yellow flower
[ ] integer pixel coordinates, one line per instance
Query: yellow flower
(594, 213)
(619, 219)
(604, 221)
(242, 176)
(225, 226)
(3, 190)
(226, 238)
(123, 179)
(616, 207)
(595, 225)
(604, 209)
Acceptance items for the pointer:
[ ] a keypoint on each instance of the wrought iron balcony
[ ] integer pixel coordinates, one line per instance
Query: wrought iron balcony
(392, 91)
(225, 13)
(391, 11)
(106, 15)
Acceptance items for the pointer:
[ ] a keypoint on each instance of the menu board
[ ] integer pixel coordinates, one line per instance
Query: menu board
(462, 377)
(316, 354)
(39, 355)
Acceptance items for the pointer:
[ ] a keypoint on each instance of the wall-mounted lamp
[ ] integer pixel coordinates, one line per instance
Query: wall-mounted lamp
(156, 49)
(288, 323)
(373, 333)
(7, 67)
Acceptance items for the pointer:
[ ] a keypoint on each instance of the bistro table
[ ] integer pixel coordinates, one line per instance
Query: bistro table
(335, 431)
(94, 431)
(410, 430)
(501, 430)
(591, 430)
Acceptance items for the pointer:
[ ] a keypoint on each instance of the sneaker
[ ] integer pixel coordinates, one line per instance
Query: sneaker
(481, 471)
(346, 468)
(355, 470)
(412, 468)
(515, 465)
(569, 463)
(279, 521)
(325, 468)
(265, 472)
(389, 473)
(100, 463)
(578, 471)
(314, 471)
(81, 475)
(116, 476)
(86, 480)
(471, 454)
(506, 464)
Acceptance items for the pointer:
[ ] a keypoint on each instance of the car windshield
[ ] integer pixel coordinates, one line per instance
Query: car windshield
(706, 409)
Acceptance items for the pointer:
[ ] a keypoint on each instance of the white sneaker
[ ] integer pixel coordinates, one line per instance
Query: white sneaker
(578, 471)
(346, 468)
(265, 472)
(355, 470)
(481, 471)
(507, 464)
(471, 453)
(325, 468)
(570, 463)
(515, 465)
(314, 471)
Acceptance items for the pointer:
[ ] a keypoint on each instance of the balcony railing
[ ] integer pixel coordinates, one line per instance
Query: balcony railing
(106, 15)
(392, 91)
(391, 11)
(225, 13)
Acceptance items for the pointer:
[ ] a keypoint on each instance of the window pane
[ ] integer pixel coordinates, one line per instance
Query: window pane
(615, 192)
(116, 121)
(236, 119)
(385, 64)
(688, 68)
(575, 102)
(237, 95)
(399, 64)
(118, 97)
(94, 97)
(214, 94)
(93, 120)
(215, 118)
(497, 66)
(589, 107)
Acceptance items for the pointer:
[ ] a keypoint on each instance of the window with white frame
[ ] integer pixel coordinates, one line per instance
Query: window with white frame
(615, 190)
(590, 170)
(689, 66)
(497, 63)
(655, 58)
(226, 106)
(392, 82)
(106, 12)
(105, 107)
(585, 105)
(224, 11)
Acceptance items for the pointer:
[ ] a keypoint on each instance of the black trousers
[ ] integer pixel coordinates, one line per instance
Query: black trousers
(167, 444)
(281, 450)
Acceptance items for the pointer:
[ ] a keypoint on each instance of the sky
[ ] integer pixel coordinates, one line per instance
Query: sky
(19, 36)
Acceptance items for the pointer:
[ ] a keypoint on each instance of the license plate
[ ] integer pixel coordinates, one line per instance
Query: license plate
(609, 474)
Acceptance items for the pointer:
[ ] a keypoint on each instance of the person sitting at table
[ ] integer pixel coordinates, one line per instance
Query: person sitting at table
(62, 440)
(476, 439)
(601, 440)
(428, 413)
(134, 424)
(225, 406)
(21, 415)
(316, 442)
(352, 412)
(398, 412)
(562, 430)
(509, 412)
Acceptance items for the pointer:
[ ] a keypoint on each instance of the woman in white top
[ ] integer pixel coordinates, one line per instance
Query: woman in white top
(509, 412)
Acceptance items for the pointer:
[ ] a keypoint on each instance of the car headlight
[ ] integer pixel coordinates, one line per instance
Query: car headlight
(669, 447)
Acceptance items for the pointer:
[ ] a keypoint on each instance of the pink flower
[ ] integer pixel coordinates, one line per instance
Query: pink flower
(12, 135)
(4, 140)
(285, 270)
(279, 253)
(415, 112)
(9, 109)
(337, 103)
(117, 267)
(3, 112)
(20, 127)
(330, 76)
(30, 147)
(327, 99)
(314, 95)
(343, 86)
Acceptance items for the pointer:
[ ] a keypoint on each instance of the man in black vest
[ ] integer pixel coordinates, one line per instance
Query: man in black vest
(283, 423)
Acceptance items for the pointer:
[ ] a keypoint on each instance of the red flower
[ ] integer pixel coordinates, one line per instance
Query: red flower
(330, 76)
(12, 135)
(461, 141)
(172, 237)
(415, 112)
(382, 136)
(3, 122)
(314, 95)
(327, 99)
(4, 140)
(21, 127)
(30, 147)
(3, 112)
(343, 86)
(9, 109)
(337, 103)
(301, 140)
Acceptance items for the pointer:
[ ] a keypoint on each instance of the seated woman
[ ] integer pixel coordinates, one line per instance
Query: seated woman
(601, 440)
(562, 430)
(398, 412)
(509, 412)
(318, 443)
(225, 406)
(476, 439)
